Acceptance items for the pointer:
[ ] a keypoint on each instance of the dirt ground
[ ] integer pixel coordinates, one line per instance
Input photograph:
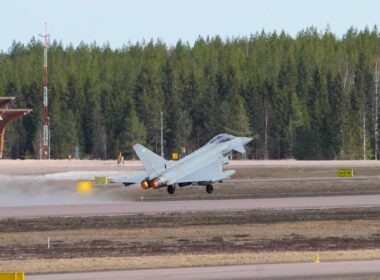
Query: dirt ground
(279, 237)
(196, 233)
(183, 260)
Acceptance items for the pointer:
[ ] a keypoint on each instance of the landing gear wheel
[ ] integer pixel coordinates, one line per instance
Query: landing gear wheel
(171, 189)
(209, 188)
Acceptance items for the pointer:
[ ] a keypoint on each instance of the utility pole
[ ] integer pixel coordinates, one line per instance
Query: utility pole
(45, 128)
(364, 136)
(162, 134)
(266, 154)
(376, 82)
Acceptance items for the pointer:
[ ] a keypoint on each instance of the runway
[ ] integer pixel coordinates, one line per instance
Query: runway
(308, 179)
(263, 271)
(133, 207)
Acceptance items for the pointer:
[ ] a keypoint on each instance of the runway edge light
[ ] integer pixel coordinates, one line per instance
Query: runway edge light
(84, 188)
(317, 258)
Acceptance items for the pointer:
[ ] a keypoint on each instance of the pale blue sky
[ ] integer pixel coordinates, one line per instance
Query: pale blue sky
(118, 21)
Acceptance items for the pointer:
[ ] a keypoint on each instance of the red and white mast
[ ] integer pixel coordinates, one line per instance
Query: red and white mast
(45, 128)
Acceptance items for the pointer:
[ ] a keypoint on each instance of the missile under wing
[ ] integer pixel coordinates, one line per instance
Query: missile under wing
(202, 167)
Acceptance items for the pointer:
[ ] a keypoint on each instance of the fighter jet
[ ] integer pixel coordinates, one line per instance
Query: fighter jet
(202, 167)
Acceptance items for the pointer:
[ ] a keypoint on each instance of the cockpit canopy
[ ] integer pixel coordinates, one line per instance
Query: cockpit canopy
(221, 138)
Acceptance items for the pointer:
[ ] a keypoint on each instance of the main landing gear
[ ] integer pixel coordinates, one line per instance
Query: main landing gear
(209, 188)
(171, 189)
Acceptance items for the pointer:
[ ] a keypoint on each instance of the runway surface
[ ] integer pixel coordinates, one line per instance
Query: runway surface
(263, 271)
(308, 179)
(133, 207)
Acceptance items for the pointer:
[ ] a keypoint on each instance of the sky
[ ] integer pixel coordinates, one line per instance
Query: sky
(118, 22)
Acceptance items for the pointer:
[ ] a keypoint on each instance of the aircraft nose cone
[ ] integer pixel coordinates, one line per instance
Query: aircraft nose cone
(245, 140)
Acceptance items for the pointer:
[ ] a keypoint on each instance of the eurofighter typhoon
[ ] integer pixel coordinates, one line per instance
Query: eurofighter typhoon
(202, 167)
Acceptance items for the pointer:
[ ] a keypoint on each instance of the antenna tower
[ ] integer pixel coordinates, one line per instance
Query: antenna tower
(45, 128)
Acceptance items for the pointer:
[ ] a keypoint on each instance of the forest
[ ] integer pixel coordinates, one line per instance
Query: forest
(309, 96)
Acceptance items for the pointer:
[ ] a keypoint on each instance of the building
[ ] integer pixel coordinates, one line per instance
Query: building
(6, 116)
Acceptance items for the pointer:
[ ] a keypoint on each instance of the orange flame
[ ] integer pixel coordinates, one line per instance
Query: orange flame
(153, 184)
(144, 184)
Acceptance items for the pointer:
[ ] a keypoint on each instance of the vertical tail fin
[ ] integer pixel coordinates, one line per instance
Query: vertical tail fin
(153, 163)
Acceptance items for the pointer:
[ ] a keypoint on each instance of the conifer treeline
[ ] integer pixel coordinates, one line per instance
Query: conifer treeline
(308, 97)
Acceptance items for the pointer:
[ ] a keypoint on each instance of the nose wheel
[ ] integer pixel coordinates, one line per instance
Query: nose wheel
(171, 189)
(209, 188)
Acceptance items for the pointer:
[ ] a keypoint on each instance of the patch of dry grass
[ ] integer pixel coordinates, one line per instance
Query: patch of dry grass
(119, 263)
(308, 229)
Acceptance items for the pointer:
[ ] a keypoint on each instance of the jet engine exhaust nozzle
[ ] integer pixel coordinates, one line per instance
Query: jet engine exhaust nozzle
(157, 183)
(153, 184)
(144, 184)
